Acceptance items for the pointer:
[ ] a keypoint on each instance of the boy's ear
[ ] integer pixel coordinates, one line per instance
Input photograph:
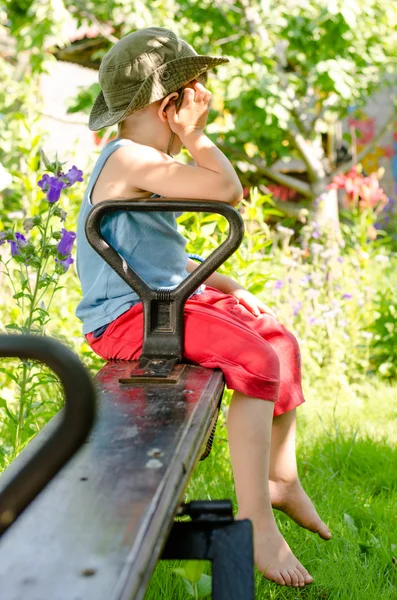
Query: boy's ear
(163, 105)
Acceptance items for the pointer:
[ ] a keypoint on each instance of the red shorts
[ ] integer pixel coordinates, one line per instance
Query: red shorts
(257, 355)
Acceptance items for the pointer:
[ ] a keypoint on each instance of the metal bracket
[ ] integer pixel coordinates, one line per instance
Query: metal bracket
(220, 511)
(155, 370)
(214, 535)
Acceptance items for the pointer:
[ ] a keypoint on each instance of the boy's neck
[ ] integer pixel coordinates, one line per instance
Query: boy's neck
(147, 130)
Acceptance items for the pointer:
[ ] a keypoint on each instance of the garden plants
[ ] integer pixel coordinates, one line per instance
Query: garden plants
(33, 262)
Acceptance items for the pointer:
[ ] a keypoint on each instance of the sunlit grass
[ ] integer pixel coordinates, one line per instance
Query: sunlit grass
(348, 465)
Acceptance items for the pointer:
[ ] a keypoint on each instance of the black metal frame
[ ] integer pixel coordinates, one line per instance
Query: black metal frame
(163, 309)
(214, 535)
(78, 416)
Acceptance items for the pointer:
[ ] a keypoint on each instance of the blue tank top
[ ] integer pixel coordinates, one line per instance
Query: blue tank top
(149, 242)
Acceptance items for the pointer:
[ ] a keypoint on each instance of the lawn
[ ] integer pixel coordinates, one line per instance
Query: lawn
(348, 465)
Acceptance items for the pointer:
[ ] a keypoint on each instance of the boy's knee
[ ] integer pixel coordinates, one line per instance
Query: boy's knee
(272, 363)
(289, 341)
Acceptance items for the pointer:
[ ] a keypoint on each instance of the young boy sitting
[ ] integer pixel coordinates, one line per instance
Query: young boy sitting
(225, 326)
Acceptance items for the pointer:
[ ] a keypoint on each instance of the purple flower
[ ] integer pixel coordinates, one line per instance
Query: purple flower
(347, 296)
(296, 308)
(66, 243)
(21, 240)
(279, 284)
(312, 320)
(15, 251)
(73, 175)
(65, 262)
(44, 182)
(315, 234)
(53, 187)
(3, 237)
(54, 190)
(340, 259)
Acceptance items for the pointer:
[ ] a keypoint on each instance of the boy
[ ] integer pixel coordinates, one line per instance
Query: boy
(225, 326)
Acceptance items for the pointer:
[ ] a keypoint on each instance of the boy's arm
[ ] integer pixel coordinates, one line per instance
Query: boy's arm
(211, 178)
(220, 282)
(227, 285)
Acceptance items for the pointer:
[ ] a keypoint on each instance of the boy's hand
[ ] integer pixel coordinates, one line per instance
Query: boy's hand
(193, 112)
(252, 303)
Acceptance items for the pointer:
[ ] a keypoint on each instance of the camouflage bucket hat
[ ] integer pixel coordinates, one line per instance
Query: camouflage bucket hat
(141, 68)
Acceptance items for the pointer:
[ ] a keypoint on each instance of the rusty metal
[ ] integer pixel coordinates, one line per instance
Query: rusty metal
(155, 370)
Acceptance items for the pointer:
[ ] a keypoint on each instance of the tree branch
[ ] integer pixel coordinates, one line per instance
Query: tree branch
(230, 38)
(293, 183)
(314, 166)
(330, 101)
(64, 119)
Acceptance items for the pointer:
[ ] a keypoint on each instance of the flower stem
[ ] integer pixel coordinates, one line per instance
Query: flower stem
(39, 270)
(22, 402)
(27, 329)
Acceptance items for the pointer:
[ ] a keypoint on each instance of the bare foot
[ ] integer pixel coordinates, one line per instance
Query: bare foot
(292, 499)
(273, 556)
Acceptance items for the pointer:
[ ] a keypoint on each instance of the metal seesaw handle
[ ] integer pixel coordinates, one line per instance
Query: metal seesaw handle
(20, 485)
(163, 309)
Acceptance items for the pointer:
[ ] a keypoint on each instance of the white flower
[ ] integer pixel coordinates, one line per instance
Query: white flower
(382, 258)
(367, 335)
(284, 230)
(288, 262)
(312, 293)
(329, 253)
(5, 178)
(316, 248)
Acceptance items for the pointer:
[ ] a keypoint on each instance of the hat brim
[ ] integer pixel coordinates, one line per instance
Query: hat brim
(163, 81)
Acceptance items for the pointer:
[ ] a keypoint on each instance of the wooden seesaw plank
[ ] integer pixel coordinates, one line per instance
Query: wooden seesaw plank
(98, 529)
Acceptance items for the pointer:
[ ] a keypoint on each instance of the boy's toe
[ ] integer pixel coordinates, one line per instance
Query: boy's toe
(287, 577)
(294, 578)
(300, 578)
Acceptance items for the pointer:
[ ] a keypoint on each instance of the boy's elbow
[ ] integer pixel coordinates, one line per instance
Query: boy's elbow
(236, 199)
(232, 194)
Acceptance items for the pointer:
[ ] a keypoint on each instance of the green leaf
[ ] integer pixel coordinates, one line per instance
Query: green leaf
(48, 164)
(13, 327)
(350, 523)
(204, 585)
(180, 571)
(4, 405)
(189, 587)
(194, 570)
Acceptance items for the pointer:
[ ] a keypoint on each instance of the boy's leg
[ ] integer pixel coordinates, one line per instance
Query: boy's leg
(286, 491)
(249, 428)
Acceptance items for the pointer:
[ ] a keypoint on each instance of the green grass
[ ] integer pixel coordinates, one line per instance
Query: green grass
(348, 464)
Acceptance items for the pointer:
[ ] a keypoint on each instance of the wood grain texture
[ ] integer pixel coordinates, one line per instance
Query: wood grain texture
(98, 529)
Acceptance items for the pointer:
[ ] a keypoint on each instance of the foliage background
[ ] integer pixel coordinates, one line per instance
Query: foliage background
(296, 68)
